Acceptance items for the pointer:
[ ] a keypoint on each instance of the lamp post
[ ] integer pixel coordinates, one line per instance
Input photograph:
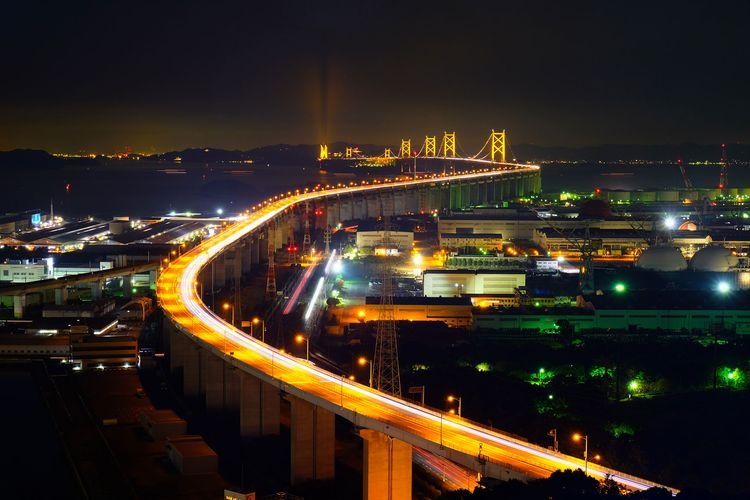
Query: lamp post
(301, 338)
(553, 434)
(262, 328)
(362, 361)
(578, 437)
(456, 398)
(227, 306)
(723, 288)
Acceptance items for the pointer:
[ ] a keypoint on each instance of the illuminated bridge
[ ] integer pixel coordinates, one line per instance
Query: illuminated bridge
(231, 371)
(492, 153)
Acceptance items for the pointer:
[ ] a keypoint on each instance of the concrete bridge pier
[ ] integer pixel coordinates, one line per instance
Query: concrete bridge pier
(19, 306)
(313, 442)
(127, 287)
(246, 251)
(96, 290)
(346, 209)
(259, 405)
(61, 296)
(255, 244)
(386, 467)
(184, 360)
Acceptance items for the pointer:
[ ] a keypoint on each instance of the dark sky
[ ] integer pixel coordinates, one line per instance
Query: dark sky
(153, 75)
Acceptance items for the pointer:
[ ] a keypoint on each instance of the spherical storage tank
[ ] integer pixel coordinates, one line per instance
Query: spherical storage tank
(714, 258)
(661, 258)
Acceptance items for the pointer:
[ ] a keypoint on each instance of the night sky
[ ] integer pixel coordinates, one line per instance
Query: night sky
(156, 76)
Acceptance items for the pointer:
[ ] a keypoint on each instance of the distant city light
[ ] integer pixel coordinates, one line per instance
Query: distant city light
(219, 211)
(670, 223)
(723, 287)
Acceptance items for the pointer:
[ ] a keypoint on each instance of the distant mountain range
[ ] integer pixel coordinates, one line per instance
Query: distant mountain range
(305, 154)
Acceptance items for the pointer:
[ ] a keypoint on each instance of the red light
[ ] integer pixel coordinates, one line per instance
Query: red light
(723, 145)
(721, 186)
(598, 191)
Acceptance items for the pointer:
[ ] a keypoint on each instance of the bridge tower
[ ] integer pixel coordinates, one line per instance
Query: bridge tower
(348, 152)
(429, 146)
(323, 152)
(271, 273)
(388, 153)
(449, 144)
(306, 240)
(385, 363)
(497, 146)
(405, 148)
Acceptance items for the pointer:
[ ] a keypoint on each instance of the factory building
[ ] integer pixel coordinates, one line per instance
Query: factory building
(458, 282)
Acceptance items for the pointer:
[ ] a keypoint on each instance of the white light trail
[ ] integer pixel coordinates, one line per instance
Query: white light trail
(314, 298)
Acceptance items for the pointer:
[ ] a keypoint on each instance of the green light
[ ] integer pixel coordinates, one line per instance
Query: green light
(134, 290)
(633, 385)
(541, 370)
(620, 287)
(537, 304)
(483, 367)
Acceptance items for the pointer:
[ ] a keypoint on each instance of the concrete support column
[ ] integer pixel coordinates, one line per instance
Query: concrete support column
(247, 256)
(96, 290)
(386, 467)
(19, 306)
(61, 296)
(313, 442)
(255, 245)
(127, 286)
(213, 381)
(191, 369)
(219, 271)
(176, 347)
(259, 407)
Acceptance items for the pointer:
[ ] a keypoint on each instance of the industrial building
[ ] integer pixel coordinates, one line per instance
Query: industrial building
(399, 240)
(453, 311)
(485, 241)
(518, 224)
(458, 282)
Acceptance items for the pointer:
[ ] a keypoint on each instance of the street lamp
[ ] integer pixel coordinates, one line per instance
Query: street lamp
(577, 437)
(723, 288)
(301, 338)
(227, 306)
(362, 361)
(456, 398)
(262, 328)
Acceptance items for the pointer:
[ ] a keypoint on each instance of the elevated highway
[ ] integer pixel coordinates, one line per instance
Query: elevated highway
(490, 452)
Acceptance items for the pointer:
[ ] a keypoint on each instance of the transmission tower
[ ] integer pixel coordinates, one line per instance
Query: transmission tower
(386, 368)
(723, 173)
(271, 273)
(327, 240)
(291, 244)
(306, 241)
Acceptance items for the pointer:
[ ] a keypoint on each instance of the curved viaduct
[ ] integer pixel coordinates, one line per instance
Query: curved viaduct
(235, 372)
